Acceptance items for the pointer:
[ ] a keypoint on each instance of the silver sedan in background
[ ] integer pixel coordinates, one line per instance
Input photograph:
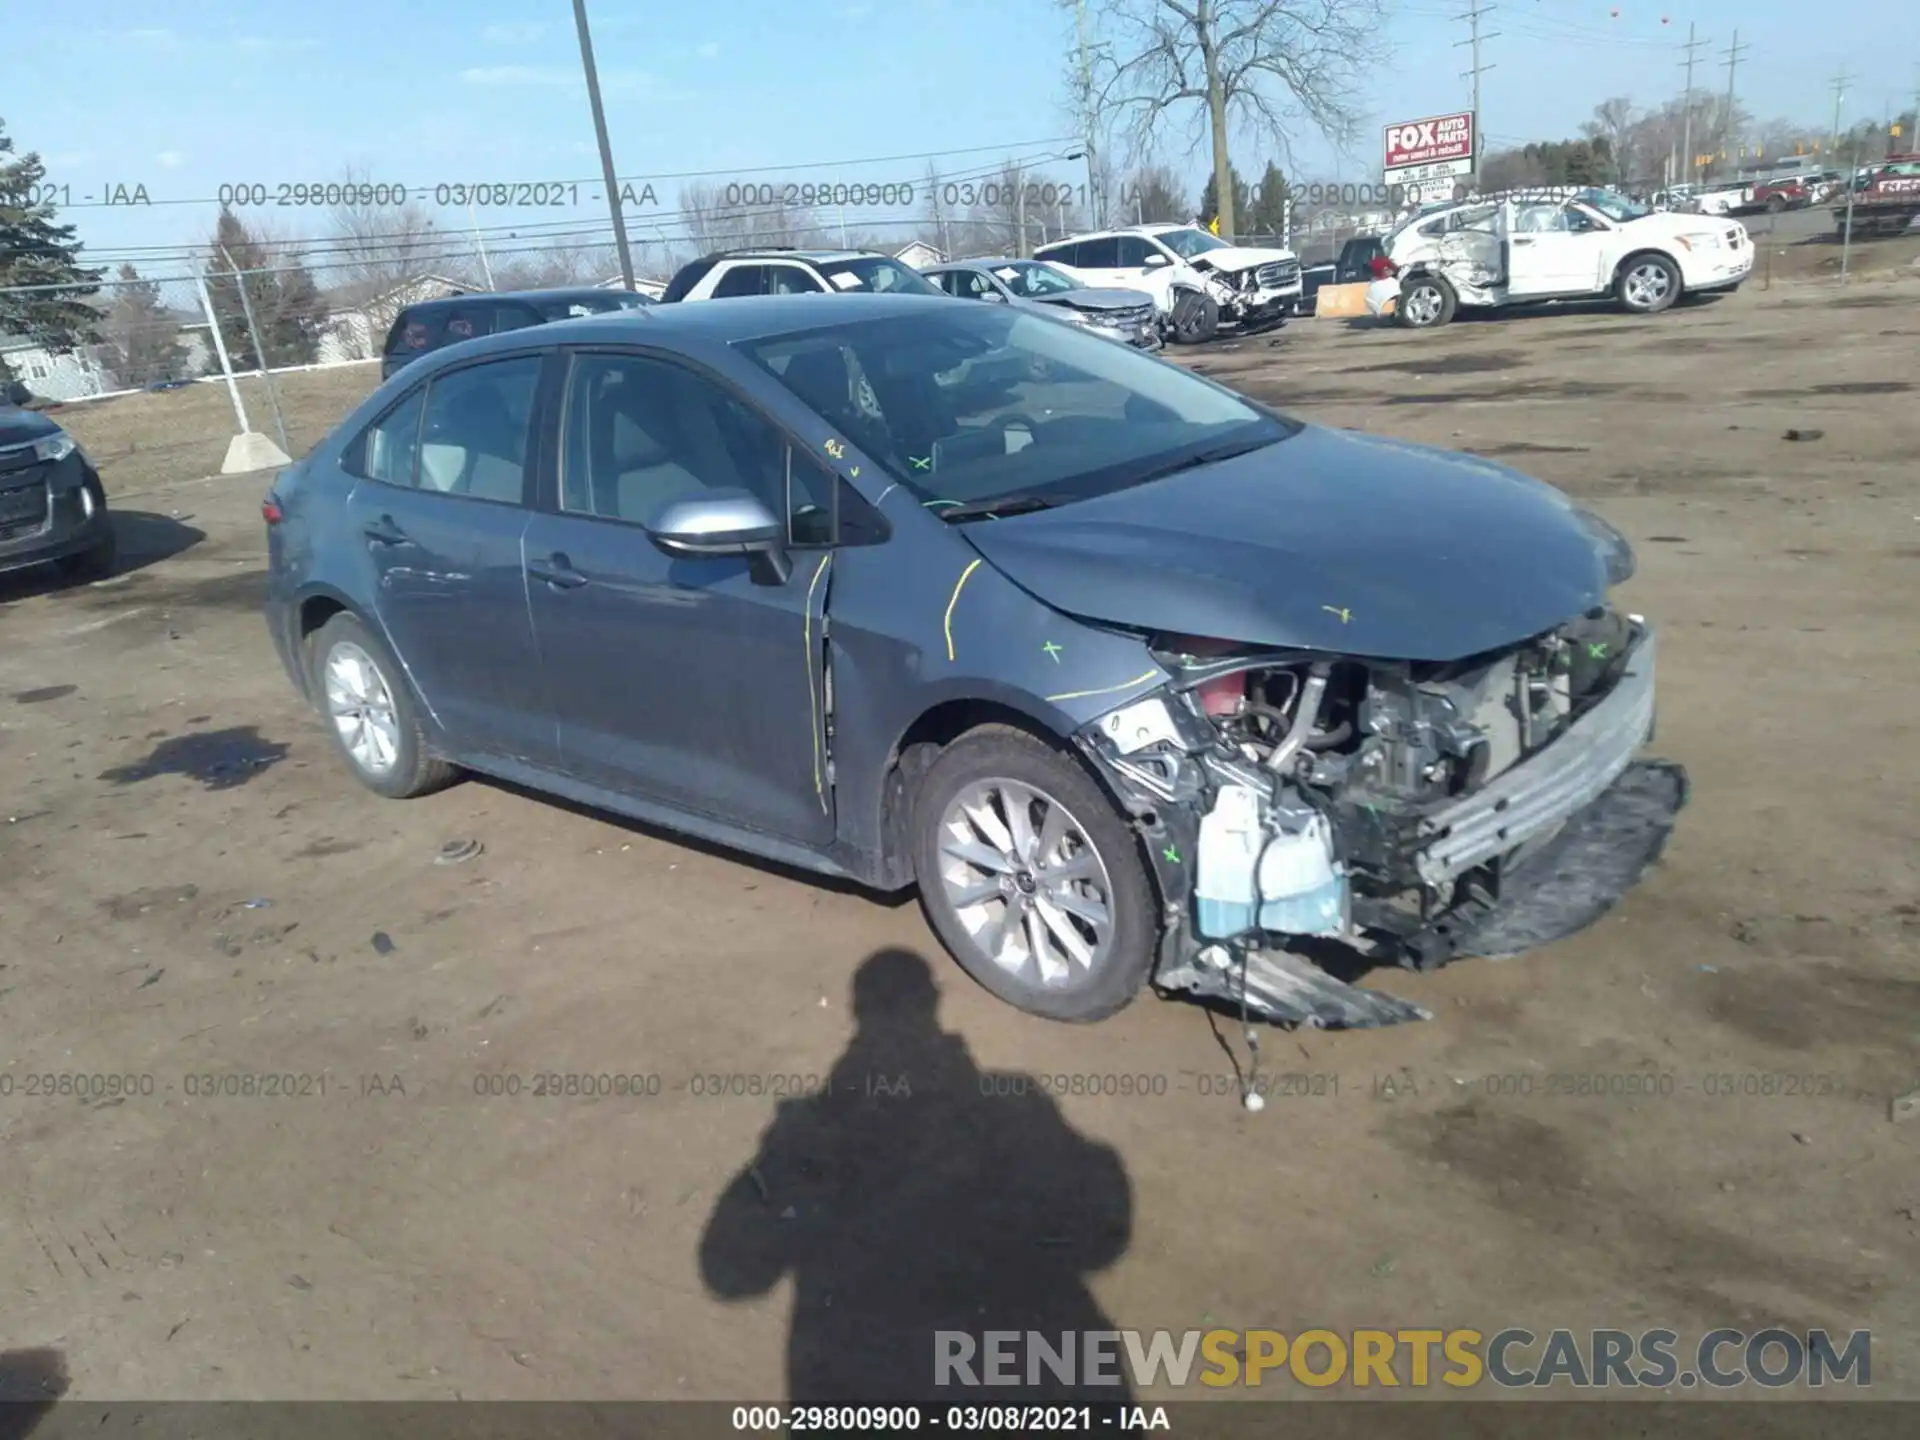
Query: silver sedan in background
(1129, 316)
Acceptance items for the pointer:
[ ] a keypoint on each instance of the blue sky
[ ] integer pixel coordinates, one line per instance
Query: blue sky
(182, 96)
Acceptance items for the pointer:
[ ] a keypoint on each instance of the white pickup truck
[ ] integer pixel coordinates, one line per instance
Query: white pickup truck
(1527, 247)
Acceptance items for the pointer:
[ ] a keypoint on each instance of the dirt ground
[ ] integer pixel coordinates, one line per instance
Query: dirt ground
(198, 894)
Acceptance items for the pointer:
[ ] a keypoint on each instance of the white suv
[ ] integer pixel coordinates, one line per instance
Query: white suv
(731, 273)
(1198, 280)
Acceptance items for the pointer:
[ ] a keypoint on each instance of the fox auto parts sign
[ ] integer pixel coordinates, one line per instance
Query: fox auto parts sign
(1430, 149)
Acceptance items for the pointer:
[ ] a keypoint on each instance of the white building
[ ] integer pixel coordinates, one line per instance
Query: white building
(652, 289)
(919, 255)
(356, 332)
(51, 375)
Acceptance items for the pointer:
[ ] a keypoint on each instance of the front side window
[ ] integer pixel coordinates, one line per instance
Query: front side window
(641, 434)
(1030, 279)
(790, 280)
(988, 403)
(878, 274)
(1134, 251)
(473, 440)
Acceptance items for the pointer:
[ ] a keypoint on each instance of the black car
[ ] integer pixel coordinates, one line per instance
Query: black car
(52, 505)
(422, 328)
(1137, 679)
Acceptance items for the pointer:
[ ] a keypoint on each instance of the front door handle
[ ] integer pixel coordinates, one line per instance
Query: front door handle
(557, 571)
(1522, 240)
(384, 532)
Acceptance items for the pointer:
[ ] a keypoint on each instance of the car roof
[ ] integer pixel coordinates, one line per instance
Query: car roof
(818, 257)
(716, 322)
(978, 264)
(562, 292)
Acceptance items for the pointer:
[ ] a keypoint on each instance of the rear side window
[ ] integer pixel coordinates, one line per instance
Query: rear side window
(467, 322)
(474, 440)
(415, 332)
(515, 317)
(1100, 254)
(741, 280)
(1059, 254)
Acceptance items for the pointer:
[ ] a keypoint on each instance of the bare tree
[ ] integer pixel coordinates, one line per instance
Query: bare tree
(719, 221)
(1613, 122)
(1151, 195)
(555, 265)
(1268, 65)
(372, 254)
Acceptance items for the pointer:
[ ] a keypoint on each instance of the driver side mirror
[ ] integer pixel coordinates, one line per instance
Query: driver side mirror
(725, 522)
(1154, 257)
(994, 295)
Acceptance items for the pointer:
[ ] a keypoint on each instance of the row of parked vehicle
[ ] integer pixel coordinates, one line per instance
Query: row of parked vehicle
(1143, 286)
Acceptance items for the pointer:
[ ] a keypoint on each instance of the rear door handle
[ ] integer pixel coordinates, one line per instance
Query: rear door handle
(384, 532)
(557, 571)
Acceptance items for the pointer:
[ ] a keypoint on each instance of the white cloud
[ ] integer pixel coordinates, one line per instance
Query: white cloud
(708, 51)
(150, 39)
(524, 34)
(170, 159)
(855, 12)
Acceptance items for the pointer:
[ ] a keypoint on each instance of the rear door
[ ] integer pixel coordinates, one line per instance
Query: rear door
(439, 506)
(680, 680)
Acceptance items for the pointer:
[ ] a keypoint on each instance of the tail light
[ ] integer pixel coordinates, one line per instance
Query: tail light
(270, 511)
(1382, 268)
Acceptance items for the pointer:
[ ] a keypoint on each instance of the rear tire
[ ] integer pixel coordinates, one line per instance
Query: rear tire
(1426, 302)
(370, 713)
(1196, 318)
(1015, 844)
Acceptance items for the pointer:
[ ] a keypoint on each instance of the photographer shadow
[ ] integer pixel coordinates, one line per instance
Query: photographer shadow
(916, 1194)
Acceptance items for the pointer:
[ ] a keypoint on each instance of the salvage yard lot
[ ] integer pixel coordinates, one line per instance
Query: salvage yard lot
(197, 889)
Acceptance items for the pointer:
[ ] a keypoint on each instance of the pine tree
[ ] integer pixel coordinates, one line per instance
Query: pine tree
(286, 303)
(1268, 217)
(36, 251)
(140, 337)
(1210, 197)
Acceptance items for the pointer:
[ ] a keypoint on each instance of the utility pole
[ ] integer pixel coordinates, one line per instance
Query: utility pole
(606, 149)
(1472, 17)
(1840, 83)
(1686, 135)
(1729, 133)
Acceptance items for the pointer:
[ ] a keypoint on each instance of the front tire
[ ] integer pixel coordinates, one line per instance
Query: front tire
(1426, 302)
(1196, 318)
(370, 712)
(1031, 878)
(1648, 284)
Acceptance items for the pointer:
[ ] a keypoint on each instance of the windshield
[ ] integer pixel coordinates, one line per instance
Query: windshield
(1189, 243)
(1030, 278)
(1614, 205)
(971, 403)
(879, 274)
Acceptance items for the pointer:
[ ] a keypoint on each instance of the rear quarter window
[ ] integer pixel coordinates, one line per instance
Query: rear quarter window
(415, 332)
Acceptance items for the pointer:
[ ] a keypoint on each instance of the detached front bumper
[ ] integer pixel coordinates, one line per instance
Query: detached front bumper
(1382, 297)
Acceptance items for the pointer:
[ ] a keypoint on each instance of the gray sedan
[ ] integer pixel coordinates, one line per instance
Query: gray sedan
(1129, 316)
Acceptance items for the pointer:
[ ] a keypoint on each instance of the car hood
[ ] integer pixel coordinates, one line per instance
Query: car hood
(18, 426)
(1242, 257)
(1329, 541)
(1098, 298)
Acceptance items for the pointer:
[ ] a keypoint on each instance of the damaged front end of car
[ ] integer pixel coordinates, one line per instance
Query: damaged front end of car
(1309, 816)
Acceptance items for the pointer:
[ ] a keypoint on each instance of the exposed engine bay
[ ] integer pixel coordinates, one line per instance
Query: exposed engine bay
(1389, 809)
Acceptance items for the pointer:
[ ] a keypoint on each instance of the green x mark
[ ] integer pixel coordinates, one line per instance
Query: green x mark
(1597, 651)
(1053, 650)
(919, 464)
(1172, 852)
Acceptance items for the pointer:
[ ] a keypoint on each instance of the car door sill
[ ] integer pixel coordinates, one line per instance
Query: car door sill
(667, 817)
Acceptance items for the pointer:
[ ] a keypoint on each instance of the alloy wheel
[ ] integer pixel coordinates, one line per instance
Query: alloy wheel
(1647, 285)
(1423, 306)
(361, 708)
(1026, 883)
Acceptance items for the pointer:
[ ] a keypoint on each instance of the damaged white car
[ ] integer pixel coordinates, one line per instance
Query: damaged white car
(1529, 247)
(1199, 281)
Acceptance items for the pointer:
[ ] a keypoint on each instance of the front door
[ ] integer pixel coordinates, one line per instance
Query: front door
(439, 509)
(1552, 249)
(683, 681)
